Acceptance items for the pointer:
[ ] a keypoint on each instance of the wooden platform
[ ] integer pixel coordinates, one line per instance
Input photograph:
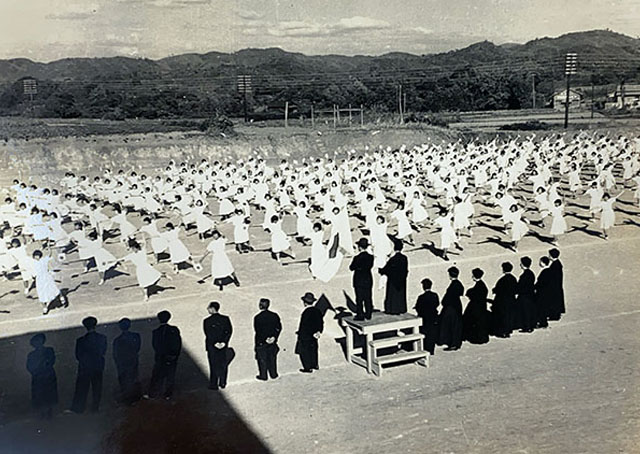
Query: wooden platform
(385, 331)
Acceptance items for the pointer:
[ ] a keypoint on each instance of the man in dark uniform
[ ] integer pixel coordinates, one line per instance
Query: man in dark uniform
(556, 305)
(427, 309)
(311, 326)
(126, 348)
(167, 345)
(90, 351)
(504, 302)
(217, 331)
(267, 327)
(363, 280)
(396, 270)
(451, 324)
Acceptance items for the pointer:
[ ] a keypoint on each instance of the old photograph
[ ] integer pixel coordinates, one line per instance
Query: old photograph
(332, 227)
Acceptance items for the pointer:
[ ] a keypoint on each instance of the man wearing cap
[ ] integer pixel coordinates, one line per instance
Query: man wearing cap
(217, 331)
(126, 348)
(167, 345)
(267, 327)
(90, 351)
(361, 266)
(309, 330)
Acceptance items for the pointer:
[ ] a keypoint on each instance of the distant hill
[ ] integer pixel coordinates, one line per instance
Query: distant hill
(480, 76)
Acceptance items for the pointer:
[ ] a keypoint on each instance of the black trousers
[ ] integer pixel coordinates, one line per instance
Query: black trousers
(266, 356)
(218, 367)
(307, 349)
(129, 384)
(163, 378)
(86, 379)
(364, 301)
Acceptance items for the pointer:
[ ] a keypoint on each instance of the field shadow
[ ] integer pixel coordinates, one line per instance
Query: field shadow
(195, 420)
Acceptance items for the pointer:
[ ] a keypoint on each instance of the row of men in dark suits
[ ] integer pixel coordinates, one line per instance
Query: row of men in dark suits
(91, 349)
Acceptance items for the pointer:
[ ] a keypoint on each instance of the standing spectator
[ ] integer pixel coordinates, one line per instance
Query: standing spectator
(167, 345)
(267, 327)
(396, 270)
(44, 384)
(126, 348)
(476, 318)
(504, 301)
(361, 266)
(90, 351)
(427, 308)
(451, 315)
(217, 331)
(309, 331)
(556, 304)
(543, 289)
(526, 307)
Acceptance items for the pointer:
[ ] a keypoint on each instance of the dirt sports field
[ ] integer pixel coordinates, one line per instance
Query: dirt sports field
(571, 388)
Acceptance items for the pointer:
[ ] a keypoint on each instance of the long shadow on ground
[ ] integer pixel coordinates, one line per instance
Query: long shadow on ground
(196, 420)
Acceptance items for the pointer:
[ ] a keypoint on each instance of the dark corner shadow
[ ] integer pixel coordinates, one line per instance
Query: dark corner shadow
(195, 420)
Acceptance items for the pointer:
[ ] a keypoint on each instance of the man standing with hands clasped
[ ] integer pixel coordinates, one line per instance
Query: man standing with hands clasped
(217, 330)
(363, 280)
(311, 326)
(267, 327)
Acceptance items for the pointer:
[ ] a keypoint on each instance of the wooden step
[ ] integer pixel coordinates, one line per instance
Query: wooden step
(396, 340)
(401, 356)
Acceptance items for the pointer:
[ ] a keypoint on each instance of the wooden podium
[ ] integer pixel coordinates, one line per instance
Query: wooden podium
(382, 332)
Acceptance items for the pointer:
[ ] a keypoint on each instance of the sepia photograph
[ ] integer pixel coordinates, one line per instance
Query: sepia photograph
(323, 227)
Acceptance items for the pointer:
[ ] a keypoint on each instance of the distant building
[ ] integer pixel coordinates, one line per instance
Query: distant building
(575, 99)
(626, 96)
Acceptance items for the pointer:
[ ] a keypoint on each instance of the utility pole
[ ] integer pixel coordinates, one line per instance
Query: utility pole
(533, 90)
(592, 96)
(313, 122)
(361, 115)
(570, 68)
(400, 103)
(244, 87)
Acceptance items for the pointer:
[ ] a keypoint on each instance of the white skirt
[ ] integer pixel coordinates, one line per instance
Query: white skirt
(46, 288)
(221, 266)
(178, 251)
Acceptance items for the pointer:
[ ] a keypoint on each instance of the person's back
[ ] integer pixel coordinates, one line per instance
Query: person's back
(90, 351)
(311, 322)
(427, 307)
(217, 328)
(266, 324)
(126, 348)
(361, 266)
(167, 342)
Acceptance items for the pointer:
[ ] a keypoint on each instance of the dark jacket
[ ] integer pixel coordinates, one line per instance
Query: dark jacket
(361, 266)
(126, 348)
(427, 307)
(90, 351)
(217, 328)
(266, 324)
(311, 322)
(396, 270)
(167, 343)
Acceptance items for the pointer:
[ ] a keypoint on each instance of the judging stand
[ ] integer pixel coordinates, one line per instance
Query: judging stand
(397, 335)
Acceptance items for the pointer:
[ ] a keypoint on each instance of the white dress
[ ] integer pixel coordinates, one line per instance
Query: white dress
(381, 244)
(7, 261)
(221, 266)
(158, 243)
(25, 263)
(303, 223)
(240, 229)
(145, 273)
(608, 216)
(418, 213)
(37, 227)
(45, 283)
(447, 233)
(177, 250)
(558, 225)
(518, 227)
(126, 228)
(404, 227)
(104, 259)
(279, 240)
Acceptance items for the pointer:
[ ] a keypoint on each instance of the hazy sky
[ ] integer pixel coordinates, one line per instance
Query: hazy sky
(50, 29)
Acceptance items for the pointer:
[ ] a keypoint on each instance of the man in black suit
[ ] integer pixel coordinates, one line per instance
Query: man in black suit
(126, 348)
(167, 345)
(363, 280)
(396, 270)
(309, 330)
(90, 351)
(427, 309)
(267, 327)
(217, 331)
